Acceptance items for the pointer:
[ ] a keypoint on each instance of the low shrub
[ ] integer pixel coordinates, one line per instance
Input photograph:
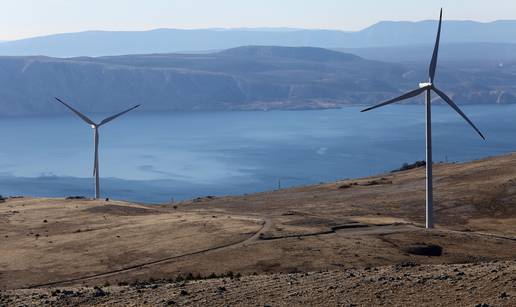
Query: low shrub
(76, 197)
(406, 166)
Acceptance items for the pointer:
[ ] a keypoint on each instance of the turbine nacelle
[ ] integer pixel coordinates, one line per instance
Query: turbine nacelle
(93, 126)
(425, 85)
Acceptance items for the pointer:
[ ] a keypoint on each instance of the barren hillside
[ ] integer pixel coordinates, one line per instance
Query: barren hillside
(356, 241)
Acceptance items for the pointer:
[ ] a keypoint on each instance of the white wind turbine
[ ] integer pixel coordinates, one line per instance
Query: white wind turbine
(428, 87)
(95, 128)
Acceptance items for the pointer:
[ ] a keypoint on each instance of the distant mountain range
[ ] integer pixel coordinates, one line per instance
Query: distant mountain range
(449, 52)
(383, 34)
(244, 78)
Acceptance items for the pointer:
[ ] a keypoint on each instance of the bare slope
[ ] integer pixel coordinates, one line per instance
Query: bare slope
(244, 78)
(258, 77)
(346, 226)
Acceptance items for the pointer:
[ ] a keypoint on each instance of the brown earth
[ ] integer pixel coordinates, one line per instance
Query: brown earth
(489, 283)
(363, 226)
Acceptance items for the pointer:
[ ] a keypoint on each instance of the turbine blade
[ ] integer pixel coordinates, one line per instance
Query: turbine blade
(402, 97)
(84, 117)
(433, 62)
(456, 108)
(96, 159)
(108, 119)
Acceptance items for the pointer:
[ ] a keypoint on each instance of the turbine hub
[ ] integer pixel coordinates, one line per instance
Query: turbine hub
(425, 84)
(93, 126)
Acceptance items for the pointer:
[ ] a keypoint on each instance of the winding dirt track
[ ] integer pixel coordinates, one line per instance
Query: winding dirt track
(266, 225)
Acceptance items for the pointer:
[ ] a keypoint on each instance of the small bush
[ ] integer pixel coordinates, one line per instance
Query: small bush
(406, 166)
(76, 197)
(99, 292)
(189, 276)
(212, 276)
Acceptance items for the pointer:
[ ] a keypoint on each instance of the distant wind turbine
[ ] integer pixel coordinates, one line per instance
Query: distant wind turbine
(428, 87)
(96, 138)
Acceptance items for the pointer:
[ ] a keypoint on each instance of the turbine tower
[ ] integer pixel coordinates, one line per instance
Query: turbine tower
(428, 87)
(95, 128)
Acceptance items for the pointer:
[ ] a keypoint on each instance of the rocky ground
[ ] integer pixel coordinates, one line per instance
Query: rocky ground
(405, 284)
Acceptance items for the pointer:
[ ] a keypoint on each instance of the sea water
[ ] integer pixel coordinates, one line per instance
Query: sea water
(159, 157)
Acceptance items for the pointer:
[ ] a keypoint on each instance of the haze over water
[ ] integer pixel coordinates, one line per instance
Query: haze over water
(155, 157)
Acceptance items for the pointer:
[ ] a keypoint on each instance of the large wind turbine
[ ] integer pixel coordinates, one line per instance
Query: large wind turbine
(428, 87)
(96, 138)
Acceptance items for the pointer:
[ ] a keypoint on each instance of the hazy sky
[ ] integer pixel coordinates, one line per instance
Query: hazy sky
(26, 18)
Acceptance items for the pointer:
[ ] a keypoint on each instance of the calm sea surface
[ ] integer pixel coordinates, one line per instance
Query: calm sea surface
(155, 157)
